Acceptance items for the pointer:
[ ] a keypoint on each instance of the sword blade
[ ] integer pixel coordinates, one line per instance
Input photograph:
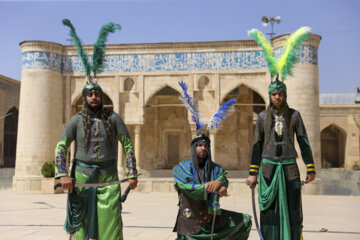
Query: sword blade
(254, 213)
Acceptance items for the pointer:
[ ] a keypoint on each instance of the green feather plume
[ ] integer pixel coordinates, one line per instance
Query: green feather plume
(99, 47)
(77, 43)
(288, 58)
(267, 49)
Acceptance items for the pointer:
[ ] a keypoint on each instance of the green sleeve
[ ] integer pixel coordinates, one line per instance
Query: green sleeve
(193, 190)
(128, 147)
(221, 176)
(66, 138)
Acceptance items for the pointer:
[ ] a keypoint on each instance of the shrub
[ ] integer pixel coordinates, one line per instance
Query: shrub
(48, 169)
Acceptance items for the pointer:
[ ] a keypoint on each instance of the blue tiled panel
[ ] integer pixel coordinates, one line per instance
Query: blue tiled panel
(163, 62)
(41, 60)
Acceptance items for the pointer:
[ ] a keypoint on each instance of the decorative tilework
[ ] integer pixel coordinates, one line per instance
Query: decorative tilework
(41, 60)
(163, 62)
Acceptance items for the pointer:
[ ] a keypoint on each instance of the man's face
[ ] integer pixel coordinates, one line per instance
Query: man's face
(93, 99)
(202, 150)
(277, 98)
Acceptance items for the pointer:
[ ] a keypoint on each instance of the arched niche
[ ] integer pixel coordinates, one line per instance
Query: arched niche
(166, 131)
(128, 84)
(10, 137)
(333, 144)
(235, 140)
(203, 83)
(79, 103)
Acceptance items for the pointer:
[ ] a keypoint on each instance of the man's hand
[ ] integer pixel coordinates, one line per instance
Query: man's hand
(251, 181)
(213, 186)
(310, 177)
(222, 191)
(67, 183)
(132, 183)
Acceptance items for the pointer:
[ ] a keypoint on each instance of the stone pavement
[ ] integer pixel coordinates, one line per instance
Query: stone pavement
(150, 216)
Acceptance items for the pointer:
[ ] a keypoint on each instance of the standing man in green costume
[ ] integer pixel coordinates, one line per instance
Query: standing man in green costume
(200, 183)
(273, 160)
(94, 212)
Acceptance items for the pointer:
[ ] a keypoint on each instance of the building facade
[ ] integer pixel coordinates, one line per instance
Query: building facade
(340, 131)
(141, 84)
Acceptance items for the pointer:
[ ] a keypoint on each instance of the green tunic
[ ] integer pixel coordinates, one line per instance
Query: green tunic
(95, 163)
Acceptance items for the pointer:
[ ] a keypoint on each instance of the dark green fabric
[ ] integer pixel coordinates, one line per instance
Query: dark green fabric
(270, 218)
(276, 190)
(84, 204)
(237, 229)
(277, 85)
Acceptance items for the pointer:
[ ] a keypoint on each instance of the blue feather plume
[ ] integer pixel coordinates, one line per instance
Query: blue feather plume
(221, 114)
(189, 104)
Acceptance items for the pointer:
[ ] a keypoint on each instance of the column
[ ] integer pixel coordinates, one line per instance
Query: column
(193, 130)
(213, 146)
(138, 129)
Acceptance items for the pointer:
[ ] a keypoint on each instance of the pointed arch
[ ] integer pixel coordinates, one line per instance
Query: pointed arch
(163, 89)
(203, 83)
(166, 130)
(333, 145)
(128, 84)
(238, 129)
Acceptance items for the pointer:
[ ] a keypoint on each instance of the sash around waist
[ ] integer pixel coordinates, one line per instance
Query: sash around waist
(104, 167)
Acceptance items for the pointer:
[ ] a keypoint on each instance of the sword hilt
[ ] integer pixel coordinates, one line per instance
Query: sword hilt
(125, 194)
(57, 185)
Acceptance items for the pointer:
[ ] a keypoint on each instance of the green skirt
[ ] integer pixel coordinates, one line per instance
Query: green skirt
(109, 220)
(238, 228)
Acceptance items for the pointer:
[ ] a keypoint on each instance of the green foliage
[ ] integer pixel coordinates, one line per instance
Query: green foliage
(48, 169)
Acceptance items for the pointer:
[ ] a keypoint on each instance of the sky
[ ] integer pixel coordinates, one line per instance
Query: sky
(150, 21)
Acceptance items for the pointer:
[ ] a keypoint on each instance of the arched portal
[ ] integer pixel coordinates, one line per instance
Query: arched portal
(10, 137)
(235, 140)
(166, 129)
(333, 142)
(79, 104)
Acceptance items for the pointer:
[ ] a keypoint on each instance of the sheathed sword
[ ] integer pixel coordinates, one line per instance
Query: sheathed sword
(254, 213)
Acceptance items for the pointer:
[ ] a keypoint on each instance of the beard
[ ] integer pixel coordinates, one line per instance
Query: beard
(201, 158)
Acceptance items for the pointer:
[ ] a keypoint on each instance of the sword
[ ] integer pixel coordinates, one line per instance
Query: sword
(123, 196)
(213, 222)
(254, 212)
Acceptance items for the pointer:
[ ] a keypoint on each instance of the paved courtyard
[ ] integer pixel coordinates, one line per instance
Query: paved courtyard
(151, 216)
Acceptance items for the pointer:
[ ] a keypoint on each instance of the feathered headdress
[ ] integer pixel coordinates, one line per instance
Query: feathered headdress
(98, 58)
(216, 120)
(283, 65)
